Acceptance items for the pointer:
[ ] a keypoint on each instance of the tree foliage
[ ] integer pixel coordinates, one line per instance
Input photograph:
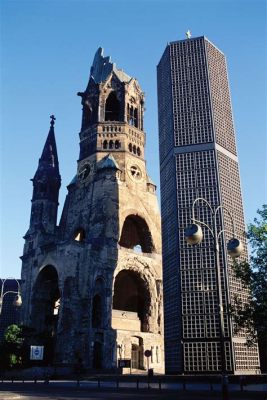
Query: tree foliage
(253, 274)
(15, 347)
(10, 348)
(12, 334)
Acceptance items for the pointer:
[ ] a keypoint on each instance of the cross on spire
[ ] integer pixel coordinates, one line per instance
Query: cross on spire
(188, 34)
(52, 122)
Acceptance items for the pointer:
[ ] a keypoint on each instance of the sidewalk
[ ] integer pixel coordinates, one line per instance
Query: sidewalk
(66, 390)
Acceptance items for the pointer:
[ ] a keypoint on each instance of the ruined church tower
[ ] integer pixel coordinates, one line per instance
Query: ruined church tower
(92, 285)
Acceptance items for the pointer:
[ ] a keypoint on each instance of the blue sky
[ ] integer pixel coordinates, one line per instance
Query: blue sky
(47, 50)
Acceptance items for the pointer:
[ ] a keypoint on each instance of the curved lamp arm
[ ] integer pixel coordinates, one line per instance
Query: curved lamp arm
(224, 230)
(9, 291)
(204, 201)
(231, 217)
(201, 222)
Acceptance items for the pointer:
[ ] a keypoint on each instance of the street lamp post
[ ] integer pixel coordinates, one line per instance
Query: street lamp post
(194, 236)
(18, 301)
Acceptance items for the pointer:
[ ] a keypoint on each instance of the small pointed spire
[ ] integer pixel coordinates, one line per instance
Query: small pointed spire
(49, 158)
(52, 122)
(46, 185)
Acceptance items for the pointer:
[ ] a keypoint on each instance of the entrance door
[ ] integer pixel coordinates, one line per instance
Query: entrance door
(135, 357)
(97, 355)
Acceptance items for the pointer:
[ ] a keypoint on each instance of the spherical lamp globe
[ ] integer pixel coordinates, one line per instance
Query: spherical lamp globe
(234, 247)
(193, 234)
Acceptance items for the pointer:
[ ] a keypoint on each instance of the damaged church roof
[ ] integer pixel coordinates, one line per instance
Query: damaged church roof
(102, 68)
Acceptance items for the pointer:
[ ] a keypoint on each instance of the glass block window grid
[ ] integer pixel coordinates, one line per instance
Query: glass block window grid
(190, 93)
(165, 108)
(246, 357)
(197, 89)
(221, 102)
(202, 356)
(197, 177)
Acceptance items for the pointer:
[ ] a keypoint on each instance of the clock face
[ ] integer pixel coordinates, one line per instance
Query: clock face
(84, 171)
(134, 172)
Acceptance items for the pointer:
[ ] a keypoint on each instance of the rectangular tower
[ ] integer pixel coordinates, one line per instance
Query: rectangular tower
(198, 159)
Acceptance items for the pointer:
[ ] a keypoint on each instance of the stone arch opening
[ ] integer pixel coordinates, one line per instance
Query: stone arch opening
(131, 295)
(97, 354)
(46, 301)
(137, 352)
(117, 144)
(112, 109)
(97, 312)
(135, 232)
(132, 115)
(87, 114)
(98, 304)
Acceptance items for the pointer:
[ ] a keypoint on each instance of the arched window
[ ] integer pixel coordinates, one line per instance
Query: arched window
(132, 116)
(87, 114)
(112, 110)
(135, 118)
(79, 235)
(105, 144)
(138, 151)
(141, 114)
(117, 144)
(130, 147)
(97, 312)
(135, 232)
(134, 149)
(111, 144)
(128, 113)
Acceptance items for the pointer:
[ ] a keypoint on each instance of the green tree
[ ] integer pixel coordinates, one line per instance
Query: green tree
(12, 335)
(10, 349)
(253, 274)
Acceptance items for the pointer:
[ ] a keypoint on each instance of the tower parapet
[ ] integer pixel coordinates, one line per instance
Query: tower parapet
(113, 110)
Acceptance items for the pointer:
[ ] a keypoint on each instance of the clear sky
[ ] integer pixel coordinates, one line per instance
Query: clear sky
(47, 50)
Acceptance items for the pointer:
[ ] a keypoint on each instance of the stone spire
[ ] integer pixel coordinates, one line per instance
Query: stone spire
(47, 179)
(49, 160)
(46, 185)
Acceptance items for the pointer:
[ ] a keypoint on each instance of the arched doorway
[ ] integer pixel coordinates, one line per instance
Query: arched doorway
(137, 352)
(135, 356)
(97, 355)
(131, 294)
(135, 233)
(45, 301)
(45, 310)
